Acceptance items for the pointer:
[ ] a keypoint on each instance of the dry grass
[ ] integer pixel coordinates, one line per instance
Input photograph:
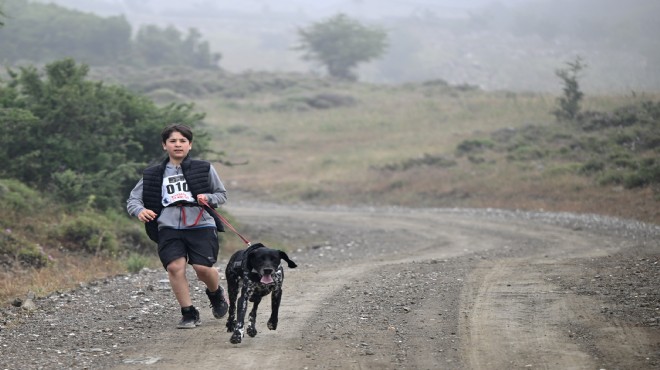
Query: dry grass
(332, 157)
(320, 146)
(329, 156)
(66, 272)
(566, 193)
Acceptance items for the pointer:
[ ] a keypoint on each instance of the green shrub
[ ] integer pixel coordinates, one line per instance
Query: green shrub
(623, 160)
(425, 160)
(611, 177)
(592, 166)
(316, 101)
(474, 145)
(15, 249)
(33, 256)
(646, 114)
(526, 153)
(88, 232)
(476, 159)
(136, 262)
(330, 100)
(648, 173)
(134, 238)
(18, 197)
(588, 144)
(81, 140)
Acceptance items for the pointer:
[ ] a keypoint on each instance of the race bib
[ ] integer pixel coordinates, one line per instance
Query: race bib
(175, 190)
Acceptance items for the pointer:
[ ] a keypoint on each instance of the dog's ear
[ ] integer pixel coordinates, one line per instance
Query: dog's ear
(247, 262)
(247, 255)
(291, 264)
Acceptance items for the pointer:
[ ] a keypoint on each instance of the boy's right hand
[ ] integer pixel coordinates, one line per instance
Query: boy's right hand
(146, 215)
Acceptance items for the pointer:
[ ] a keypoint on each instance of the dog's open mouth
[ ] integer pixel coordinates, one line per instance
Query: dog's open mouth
(266, 279)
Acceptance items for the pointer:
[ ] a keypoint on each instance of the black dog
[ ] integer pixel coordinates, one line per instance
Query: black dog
(257, 269)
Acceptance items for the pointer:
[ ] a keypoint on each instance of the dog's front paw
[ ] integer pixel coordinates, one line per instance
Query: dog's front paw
(236, 338)
(252, 331)
(272, 324)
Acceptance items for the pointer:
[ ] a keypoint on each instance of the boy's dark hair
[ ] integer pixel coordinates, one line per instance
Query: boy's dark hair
(183, 129)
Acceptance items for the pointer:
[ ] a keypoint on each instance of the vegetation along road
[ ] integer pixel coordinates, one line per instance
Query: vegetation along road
(385, 288)
(389, 193)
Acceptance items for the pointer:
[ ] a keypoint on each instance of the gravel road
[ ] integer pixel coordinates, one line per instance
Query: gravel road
(382, 288)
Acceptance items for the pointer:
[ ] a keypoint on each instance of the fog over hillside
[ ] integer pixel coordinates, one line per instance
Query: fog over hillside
(505, 44)
(311, 9)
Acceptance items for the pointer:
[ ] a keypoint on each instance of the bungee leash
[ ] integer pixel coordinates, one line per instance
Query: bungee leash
(224, 221)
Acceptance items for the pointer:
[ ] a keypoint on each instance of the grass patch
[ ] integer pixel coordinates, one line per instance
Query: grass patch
(300, 138)
(135, 262)
(439, 146)
(64, 273)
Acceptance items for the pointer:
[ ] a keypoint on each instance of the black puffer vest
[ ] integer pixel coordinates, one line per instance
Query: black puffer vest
(196, 174)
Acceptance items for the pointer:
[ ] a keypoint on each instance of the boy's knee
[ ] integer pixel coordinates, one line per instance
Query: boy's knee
(177, 266)
(204, 270)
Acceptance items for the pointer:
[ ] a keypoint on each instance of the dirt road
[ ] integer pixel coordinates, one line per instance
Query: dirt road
(415, 289)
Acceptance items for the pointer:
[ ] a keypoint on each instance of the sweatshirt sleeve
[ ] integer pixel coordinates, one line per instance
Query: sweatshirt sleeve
(219, 195)
(134, 204)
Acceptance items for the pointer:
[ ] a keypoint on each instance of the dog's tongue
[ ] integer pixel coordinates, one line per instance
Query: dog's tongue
(266, 279)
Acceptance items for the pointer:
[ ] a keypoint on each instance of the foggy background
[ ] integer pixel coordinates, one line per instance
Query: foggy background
(496, 45)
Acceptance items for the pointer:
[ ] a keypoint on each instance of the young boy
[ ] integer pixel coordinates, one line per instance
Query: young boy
(167, 199)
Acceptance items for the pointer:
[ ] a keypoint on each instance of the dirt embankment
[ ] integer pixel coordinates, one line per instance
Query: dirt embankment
(387, 289)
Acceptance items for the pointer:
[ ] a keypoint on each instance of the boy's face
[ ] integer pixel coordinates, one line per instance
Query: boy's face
(177, 146)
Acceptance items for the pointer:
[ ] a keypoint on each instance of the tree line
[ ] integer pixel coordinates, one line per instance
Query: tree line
(36, 32)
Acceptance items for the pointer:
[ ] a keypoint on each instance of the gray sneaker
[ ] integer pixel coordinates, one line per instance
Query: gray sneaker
(219, 304)
(189, 318)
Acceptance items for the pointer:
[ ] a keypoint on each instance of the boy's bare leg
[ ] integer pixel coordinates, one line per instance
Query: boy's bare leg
(208, 275)
(176, 272)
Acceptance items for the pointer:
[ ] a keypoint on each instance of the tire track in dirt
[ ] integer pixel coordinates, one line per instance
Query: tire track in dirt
(306, 289)
(512, 320)
(517, 315)
(420, 289)
(515, 318)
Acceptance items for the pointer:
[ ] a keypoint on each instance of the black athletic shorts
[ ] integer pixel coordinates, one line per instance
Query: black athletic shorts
(198, 246)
